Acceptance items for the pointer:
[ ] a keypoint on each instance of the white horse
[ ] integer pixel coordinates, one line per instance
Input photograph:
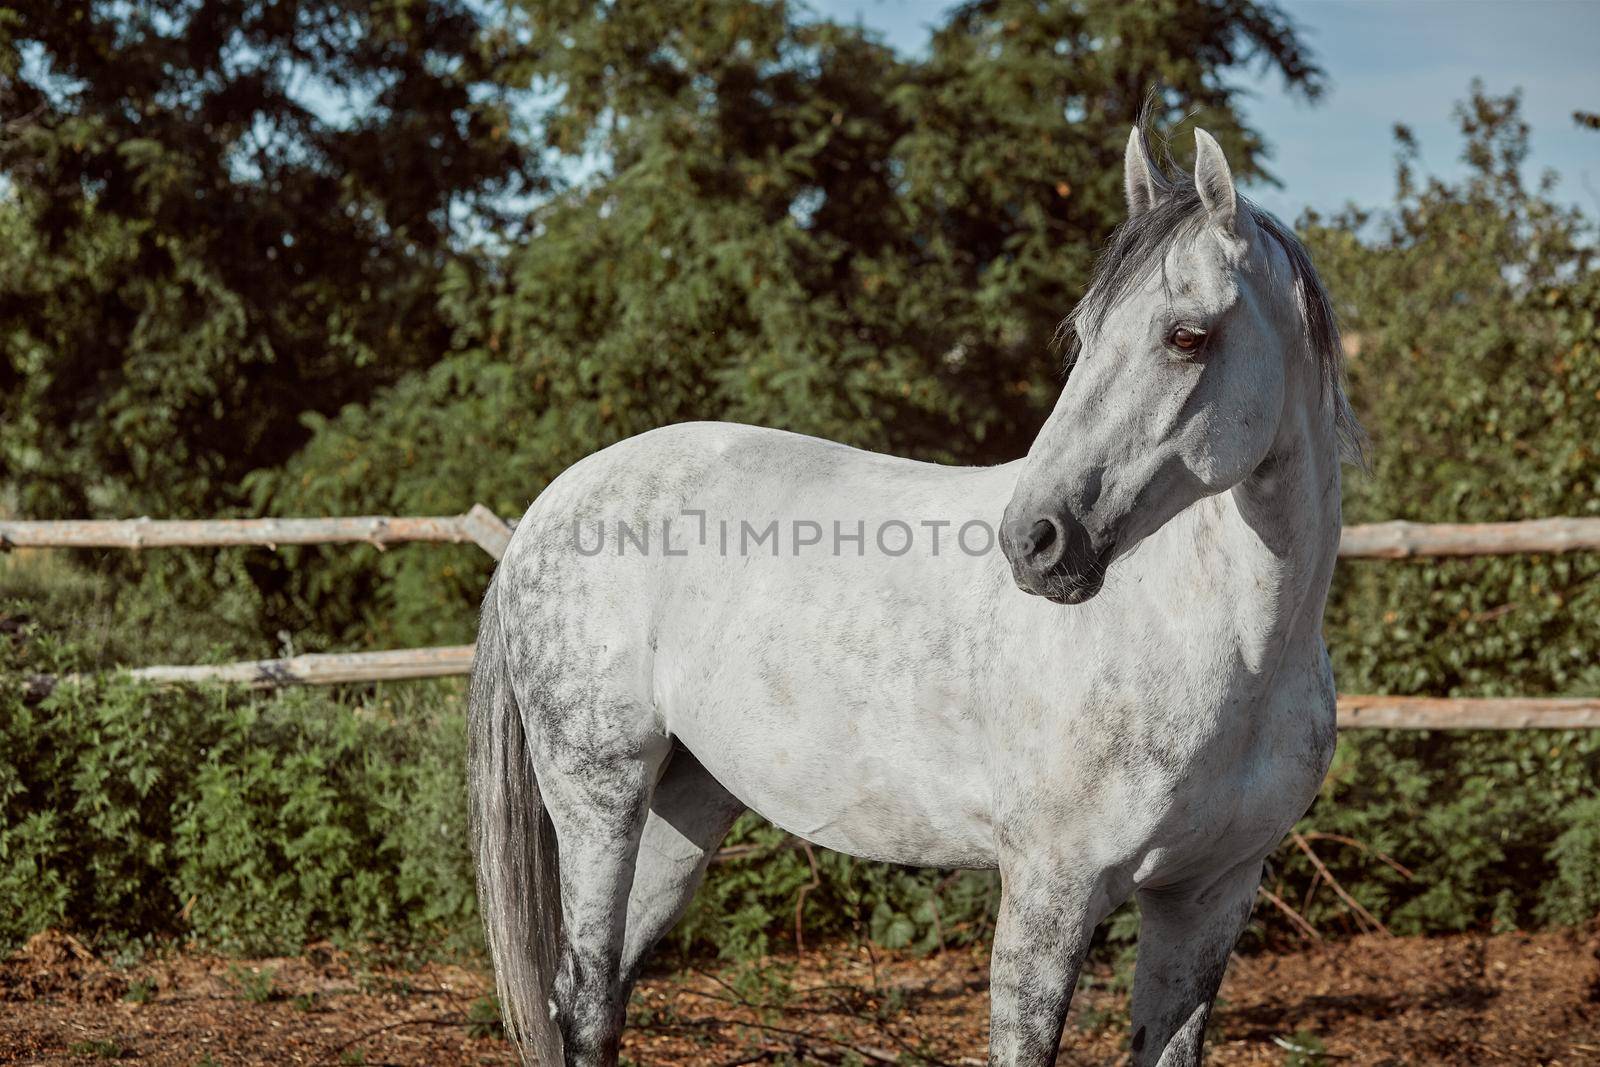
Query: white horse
(711, 618)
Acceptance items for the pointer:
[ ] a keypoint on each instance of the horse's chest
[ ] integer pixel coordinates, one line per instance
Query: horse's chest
(1163, 787)
(1221, 812)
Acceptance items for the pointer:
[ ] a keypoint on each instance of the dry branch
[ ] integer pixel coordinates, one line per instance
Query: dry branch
(1297, 920)
(800, 899)
(866, 1052)
(1345, 839)
(1351, 902)
(1402, 540)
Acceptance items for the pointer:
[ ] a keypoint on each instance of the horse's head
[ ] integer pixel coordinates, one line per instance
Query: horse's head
(1204, 317)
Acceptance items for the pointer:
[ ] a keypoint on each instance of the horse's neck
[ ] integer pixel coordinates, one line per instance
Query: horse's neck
(1250, 567)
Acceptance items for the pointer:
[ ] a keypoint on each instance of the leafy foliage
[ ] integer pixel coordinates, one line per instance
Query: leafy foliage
(775, 889)
(220, 216)
(249, 822)
(1498, 831)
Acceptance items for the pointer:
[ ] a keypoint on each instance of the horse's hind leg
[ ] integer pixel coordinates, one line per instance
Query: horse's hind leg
(690, 814)
(596, 769)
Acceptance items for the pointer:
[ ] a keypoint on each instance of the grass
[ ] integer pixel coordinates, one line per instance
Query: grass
(483, 1019)
(106, 1048)
(257, 985)
(140, 991)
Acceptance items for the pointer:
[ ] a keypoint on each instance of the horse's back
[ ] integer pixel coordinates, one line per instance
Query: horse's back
(670, 459)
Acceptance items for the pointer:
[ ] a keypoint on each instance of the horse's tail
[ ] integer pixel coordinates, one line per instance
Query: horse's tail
(519, 889)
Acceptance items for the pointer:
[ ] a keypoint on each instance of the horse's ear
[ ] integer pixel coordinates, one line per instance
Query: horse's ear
(1139, 180)
(1214, 181)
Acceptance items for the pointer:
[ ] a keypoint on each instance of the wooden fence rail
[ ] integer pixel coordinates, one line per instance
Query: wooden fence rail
(1468, 713)
(480, 526)
(1355, 712)
(1401, 540)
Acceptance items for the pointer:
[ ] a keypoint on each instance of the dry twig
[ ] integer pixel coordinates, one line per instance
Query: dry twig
(332, 1054)
(1318, 835)
(1299, 921)
(800, 900)
(1333, 883)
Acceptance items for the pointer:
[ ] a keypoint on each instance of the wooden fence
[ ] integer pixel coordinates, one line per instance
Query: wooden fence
(482, 527)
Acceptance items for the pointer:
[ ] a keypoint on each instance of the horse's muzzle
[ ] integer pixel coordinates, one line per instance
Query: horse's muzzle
(1054, 557)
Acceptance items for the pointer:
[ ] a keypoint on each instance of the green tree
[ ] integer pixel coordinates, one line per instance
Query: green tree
(219, 216)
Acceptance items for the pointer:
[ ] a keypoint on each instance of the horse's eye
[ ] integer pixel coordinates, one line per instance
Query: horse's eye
(1186, 339)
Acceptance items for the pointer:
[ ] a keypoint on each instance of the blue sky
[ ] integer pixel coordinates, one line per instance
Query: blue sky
(1389, 61)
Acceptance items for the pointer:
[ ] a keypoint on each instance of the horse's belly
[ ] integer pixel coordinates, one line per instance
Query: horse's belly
(858, 784)
(839, 697)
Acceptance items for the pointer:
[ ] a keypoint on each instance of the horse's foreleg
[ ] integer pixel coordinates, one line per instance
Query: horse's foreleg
(1043, 932)
(1185, 936)
(690, 814)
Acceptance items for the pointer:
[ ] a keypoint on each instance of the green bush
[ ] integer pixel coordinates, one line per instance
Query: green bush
(245, 821)
(785, 223)
(1499, 830)
(1473, 315)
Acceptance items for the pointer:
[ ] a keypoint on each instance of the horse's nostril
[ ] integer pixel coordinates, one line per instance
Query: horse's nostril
(1041, 536)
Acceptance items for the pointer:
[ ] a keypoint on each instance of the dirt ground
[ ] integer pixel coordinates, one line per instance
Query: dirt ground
(1509, 999)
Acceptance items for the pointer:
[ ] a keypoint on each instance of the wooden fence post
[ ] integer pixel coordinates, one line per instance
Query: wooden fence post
(488, 531)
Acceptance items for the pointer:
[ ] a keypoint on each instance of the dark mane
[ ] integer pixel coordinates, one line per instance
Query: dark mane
(1140, 245)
